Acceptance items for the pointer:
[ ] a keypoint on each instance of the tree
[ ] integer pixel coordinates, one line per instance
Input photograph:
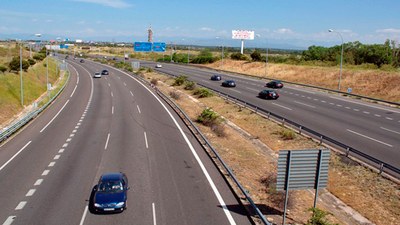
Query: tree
(14, 65)
(3, 68)
(256, 55)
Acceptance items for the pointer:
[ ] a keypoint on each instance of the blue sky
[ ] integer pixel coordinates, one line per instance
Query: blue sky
(280, 23)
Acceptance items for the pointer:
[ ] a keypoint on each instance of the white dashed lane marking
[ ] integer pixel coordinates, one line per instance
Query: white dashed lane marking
(38, 182)
(377, 115)
(138, 108)
(30, 192)
(9, 220)
(108, 138)
(388, 118)
(61, 150)
(45, 172)
(370, 138)
(56, 157)
(51, 164)
(21, 205)
(145, 140)
(305, 104)
(131, 93)
(390, 130)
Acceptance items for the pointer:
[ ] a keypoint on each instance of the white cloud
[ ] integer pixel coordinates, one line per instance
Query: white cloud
(283, 31)
(206, 29)
(109, 3)
(389, 31)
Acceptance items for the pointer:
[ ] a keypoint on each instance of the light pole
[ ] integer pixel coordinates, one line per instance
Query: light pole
(341, 57)
(266, 56)
(20, 72)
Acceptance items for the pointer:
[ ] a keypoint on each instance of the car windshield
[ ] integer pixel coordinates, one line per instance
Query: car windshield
(110, 186)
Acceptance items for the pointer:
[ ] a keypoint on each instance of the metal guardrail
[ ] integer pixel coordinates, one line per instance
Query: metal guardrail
(20, 123)
(347, 150)
(198, 134)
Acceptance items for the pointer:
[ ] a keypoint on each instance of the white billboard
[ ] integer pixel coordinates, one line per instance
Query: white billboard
(243, 34)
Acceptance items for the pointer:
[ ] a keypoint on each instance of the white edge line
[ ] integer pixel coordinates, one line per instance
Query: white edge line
(390, 130)
(305, 104)
(154, 214)
(359, 103)
(282, 106)
(362, 135)
(138, 108)
(54, 117)
(145, 140)
(84, 216)
(208, 177)
(73, 92)
(108, 138)
(5, 164)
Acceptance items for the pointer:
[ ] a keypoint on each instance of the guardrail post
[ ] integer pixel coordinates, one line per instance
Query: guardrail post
(283, 122)
(320, 140)
(380, 168)
(300, 129)
(347, 151)
(256, 109)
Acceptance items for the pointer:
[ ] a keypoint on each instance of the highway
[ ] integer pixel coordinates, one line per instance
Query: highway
(371, 128)
(111, 124)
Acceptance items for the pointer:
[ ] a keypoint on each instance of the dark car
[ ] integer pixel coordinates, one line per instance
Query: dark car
(274, 84)
(216, 77)
(268, 94)
(110, 194)
(104, 72)
(229, 83)
(82, 61)
(66, 57)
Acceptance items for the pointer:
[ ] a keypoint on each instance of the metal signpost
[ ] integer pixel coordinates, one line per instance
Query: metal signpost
(242, 35)
(302, 169)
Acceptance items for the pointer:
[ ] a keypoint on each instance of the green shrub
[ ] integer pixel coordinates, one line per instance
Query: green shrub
(239, 56)
(149, 70)
(208, 117)
(14, 65)
(3, 68)
(190, 85)
(175, 95)
(256, 56)
(179, 80)
(31, 62)
(39, 56)
(287, 134)
(203, 92)
(318, 217)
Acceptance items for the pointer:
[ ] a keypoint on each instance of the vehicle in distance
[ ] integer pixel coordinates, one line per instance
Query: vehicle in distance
(268, 94)
(104, 72)
(216, 77)
(229, 83)
(111, 193)
(274, 84)
(82, 61)
(97, 75)
(158, 65)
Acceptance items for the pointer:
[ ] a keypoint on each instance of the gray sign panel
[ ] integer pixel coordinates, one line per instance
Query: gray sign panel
(303, 169)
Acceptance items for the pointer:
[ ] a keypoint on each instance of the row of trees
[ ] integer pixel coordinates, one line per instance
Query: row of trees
(356, 53)
(14, 64)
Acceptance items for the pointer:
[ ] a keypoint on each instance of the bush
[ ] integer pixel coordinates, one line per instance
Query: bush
(3, 68)
(238, 56)
(203, 92)
(287, 134)
(218, 129)
(318, 217)
(256, 56)
(149, 70)
(179, 80)
(154, 81)
(14, 65)
(175, 95)
(39, 56)
(31, 62)
(190, 85)
(204, 57)
(208, 117)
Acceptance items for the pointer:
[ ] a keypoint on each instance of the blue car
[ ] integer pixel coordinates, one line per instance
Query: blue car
(111, 193)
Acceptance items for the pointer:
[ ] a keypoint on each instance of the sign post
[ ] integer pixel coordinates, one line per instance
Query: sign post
(242, 35)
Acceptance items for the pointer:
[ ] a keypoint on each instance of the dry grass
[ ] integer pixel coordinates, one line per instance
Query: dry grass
(368, 82)
(365, 191)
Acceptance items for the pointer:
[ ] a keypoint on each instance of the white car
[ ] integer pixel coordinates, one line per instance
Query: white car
(158, 65)
(97, 75)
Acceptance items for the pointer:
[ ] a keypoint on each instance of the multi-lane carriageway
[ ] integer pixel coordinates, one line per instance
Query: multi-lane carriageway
(111, 124)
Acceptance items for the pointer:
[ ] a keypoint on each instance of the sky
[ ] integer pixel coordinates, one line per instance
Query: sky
(295, 24)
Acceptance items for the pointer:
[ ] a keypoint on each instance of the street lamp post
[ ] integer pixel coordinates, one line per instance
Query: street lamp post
(222, 51)
(20, 72)
(341, 57)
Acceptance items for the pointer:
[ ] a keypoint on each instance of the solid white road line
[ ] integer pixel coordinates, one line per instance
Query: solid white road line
(54, 117)
(30, 192)
(21, 205)
(145, 139)
(282, 106)
(390, 130)
(108, 138)
(5, 164)
(38, 182)
(138, 108)
(84, 216)
(154, 214)
(73, 91)
(370, 138)
(112, 110)
(305, 104)
(9, 220)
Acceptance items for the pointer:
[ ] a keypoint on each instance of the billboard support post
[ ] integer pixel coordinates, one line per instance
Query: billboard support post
(241, 49)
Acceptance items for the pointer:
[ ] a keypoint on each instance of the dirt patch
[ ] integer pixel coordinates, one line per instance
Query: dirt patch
(250, 147)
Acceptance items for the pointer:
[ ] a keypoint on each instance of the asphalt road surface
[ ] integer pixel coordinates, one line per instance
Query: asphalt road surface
(371, 128)
(111, 124)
